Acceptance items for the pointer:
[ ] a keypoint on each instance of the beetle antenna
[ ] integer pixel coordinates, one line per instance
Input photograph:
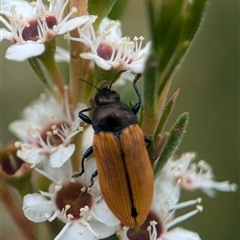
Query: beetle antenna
(89, 84)
(116, 77)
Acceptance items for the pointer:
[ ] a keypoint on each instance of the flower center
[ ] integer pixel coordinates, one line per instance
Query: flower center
(30, 32)
(36, 28)
(55, 134)
(142, 233)
(51, 21)
(70, 195)
(104, 51)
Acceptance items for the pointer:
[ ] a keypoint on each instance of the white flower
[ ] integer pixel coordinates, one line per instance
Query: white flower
(161, 216)
(30, 25)
(109, 50)
(46, 131)
(85, 216)
(192, 176)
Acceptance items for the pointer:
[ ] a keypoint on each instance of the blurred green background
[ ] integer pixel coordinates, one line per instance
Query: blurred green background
(209, 83)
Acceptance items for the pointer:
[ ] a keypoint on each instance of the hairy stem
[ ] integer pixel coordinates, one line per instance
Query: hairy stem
(76, 88)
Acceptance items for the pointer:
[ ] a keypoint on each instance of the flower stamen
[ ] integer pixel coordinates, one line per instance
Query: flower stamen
(184, 217)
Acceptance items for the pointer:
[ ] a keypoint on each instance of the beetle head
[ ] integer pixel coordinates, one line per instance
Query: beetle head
(106, 96)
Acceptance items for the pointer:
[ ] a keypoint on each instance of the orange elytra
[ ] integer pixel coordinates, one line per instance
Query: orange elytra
(123, 166)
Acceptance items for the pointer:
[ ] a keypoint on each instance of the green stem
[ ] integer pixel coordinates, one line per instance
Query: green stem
(38, 70)
(49, 62)
(148, 117)
(55, 74)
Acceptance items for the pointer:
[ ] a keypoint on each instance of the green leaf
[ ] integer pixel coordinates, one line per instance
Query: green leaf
(166, 74)
(173, 25)
(166, 112)
(100, 8)
(174, 139)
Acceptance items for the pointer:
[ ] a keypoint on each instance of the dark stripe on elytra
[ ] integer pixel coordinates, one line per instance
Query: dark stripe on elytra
(134, 212)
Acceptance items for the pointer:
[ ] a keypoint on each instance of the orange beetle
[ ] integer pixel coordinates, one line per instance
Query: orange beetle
(123, 166)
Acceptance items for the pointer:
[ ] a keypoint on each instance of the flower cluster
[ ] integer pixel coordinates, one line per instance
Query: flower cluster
(86, 216)
(52, 138)
(108, 49)
(47, 130)
(31, 25)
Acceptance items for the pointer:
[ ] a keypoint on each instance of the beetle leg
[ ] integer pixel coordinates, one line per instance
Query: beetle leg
(92, 177)
(92, 183)
(137, 106)
(84, 117)
(137, 77)
(148, 141)
(87, 153)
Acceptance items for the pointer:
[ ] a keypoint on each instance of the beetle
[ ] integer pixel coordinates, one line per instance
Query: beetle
(123, 166)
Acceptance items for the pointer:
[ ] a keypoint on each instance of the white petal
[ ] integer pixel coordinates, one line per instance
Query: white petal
(103, 64)
(62, 55)
(166, 190)
(104, 215)
(181, 234)
(87, 55)
(64, 172)
(99, 61)
(208, 186)
(102, 229)
(58, 158)
(5, 34)
(126, 76)
(72, 24)
(75, 232)
(116, 31)
(33, 211)
(137, 66)
(104, 24)
(31, 155)
(19, 129)
(210, 192)
(22, 8)
(146, 49)
(19, 53)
